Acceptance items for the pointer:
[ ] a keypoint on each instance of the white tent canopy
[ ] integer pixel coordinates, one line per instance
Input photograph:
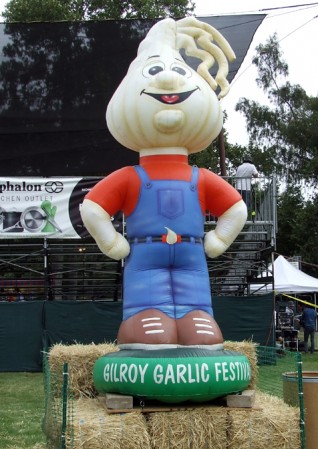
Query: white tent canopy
(287, 279)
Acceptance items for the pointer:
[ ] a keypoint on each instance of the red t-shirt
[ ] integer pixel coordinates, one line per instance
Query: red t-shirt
(120, 190)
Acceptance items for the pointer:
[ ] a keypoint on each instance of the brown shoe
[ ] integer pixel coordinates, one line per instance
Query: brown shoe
(149, 327)
(198, 328)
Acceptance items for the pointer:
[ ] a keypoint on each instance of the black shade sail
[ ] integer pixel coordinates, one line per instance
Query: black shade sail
(55, 82)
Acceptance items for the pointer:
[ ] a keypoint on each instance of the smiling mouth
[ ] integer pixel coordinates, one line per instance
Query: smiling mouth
(170, 98)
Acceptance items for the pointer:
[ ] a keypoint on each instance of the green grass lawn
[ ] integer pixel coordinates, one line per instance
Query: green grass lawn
(22, 402)
(21, 411)
(310, 361)
(270, 378)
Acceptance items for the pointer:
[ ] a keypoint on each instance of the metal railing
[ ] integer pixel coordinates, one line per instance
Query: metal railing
(262, 204)
(235, 270)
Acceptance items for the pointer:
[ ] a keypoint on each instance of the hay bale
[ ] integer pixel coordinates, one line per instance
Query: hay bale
(275, 425)
(92, 428)
(271, 425)
(199, 429)
(80, 359)
(247, 348)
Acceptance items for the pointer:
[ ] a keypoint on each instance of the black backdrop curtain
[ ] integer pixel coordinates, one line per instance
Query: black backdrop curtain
(56, 80)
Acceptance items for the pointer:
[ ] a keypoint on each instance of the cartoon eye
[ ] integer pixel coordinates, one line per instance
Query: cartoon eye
(152, 70)
(182, 70)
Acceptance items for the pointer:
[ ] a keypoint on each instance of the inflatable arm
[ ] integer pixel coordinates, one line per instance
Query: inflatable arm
(99, 225)
(228, 227)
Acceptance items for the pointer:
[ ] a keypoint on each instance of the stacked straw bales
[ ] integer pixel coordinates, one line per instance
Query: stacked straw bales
(274, 426)
(80, 359)
(271, 423)
(200, 429)
(248, 349)
(93, 428)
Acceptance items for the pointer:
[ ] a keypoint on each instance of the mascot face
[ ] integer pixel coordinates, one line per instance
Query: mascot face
(162, 102)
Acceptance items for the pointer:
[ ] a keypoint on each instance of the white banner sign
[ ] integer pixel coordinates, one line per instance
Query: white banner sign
(43, 207)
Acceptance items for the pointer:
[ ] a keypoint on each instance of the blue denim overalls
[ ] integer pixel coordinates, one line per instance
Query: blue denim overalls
(171, 278)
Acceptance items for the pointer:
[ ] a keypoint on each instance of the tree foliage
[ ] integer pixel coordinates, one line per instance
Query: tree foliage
(284, 140)
(80, 10)
(306, 235)
(290, 207)
(286, 129)
(297, 227)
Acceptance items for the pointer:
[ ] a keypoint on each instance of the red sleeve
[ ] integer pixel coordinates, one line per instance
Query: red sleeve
(119, 191)
(216, 195)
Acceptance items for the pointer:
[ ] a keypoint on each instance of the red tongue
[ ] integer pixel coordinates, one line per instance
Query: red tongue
(170, 98)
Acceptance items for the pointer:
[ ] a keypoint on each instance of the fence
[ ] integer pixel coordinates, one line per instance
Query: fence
(272, 363)
(262, 199)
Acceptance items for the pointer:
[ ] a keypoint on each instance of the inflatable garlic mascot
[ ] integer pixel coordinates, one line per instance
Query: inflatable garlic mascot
(171, 348)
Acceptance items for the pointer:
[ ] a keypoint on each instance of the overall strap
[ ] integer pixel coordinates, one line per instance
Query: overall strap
(145, 180)
(194, 178)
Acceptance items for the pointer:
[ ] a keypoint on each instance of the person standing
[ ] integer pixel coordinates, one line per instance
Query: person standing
(308, 321)
(244, 173)
(290, 313)
(290, 308)
(19, 295)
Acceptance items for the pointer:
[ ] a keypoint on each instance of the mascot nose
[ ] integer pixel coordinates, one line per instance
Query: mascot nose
(168, 80)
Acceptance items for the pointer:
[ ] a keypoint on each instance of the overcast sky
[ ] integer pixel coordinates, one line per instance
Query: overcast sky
(297, 29)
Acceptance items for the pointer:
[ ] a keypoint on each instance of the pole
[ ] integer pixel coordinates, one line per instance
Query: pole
(46, 280)
(64, 408)
(301, 401)
(274, 299)
(222, 153)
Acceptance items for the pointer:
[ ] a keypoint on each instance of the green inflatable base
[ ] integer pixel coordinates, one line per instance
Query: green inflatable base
(173, 375)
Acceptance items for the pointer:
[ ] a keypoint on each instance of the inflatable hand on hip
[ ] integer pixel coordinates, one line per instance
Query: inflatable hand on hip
(99, 225)
(228, 226)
